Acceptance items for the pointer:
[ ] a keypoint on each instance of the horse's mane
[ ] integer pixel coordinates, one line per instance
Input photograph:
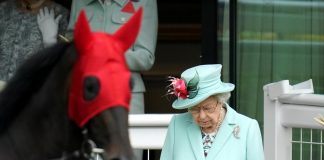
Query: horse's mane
(29, 78)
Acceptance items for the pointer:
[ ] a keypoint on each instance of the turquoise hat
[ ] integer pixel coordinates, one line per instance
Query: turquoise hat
(201, 82)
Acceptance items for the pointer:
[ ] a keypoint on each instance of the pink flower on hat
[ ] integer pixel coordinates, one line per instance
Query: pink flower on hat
(178, 88)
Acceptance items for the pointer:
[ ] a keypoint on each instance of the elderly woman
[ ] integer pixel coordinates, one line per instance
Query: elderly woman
(210, 129)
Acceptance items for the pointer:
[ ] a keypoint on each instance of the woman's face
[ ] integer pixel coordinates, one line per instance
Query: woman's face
(206, 114)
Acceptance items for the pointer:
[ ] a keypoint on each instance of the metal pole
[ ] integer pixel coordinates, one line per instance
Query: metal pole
(232, 50)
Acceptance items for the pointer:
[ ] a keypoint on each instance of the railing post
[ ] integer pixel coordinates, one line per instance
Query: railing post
(277, 139)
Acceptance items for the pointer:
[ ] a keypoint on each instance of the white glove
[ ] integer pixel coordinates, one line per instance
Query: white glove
(48, 25)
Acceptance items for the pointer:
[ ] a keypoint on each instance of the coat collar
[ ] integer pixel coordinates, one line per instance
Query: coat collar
(225, 132)
(194, 135)
(120, 2)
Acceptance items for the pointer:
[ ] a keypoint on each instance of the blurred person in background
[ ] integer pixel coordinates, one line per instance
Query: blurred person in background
(26, 26)
(108, 16)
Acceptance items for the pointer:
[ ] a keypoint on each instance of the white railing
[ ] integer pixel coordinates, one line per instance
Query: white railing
(287, 107)
(148, 131)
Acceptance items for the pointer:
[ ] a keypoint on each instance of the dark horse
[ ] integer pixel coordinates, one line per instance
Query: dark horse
(36, 118)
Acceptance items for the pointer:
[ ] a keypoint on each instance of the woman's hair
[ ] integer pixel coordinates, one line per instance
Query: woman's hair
(222, 97)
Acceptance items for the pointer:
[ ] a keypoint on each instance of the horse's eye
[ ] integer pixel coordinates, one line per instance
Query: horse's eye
(91, 88)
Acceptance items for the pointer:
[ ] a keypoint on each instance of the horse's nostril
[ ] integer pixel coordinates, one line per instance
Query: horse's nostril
(91, 87)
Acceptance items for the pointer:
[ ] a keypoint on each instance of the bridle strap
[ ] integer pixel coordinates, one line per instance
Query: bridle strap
(94, 155)
(88, 150)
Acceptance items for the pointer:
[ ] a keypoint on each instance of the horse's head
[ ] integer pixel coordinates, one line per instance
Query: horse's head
(34, 123)
(100, 87)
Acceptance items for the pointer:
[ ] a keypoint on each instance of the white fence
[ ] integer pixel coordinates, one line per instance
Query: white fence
(148, 131)
(287, 107)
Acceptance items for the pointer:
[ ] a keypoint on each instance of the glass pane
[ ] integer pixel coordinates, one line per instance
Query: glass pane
(277, 40)
(223, 36)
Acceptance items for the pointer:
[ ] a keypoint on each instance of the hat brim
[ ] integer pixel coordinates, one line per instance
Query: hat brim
(188, 103)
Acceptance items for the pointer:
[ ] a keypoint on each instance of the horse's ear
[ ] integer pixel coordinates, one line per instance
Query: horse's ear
(82, 32)
(127, 34)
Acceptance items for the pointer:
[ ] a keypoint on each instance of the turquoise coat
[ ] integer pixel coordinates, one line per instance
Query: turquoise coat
(108, 18)
(184, 139)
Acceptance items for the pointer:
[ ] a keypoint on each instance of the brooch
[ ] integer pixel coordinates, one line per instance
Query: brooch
(236, 132)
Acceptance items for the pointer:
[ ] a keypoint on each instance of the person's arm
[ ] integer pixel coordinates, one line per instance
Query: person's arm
(254, 146)
(141, 56)
(167, 150)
